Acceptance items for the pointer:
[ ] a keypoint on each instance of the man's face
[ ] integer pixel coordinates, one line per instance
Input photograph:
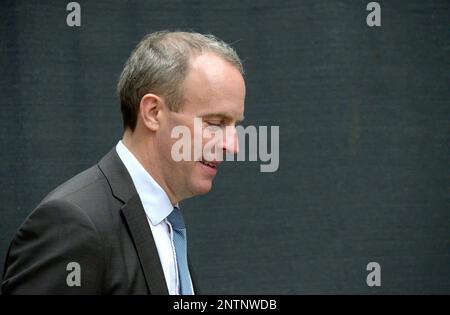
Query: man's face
(214, 91)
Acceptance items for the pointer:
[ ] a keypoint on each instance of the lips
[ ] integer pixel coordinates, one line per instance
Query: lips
(208, 164)
(212, 164)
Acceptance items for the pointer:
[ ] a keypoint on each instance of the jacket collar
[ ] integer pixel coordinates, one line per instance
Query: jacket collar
(134, 216)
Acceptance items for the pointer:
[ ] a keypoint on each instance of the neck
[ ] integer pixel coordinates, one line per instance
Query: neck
(146, 153)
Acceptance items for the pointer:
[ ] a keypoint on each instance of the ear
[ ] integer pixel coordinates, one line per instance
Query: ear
(150, 110)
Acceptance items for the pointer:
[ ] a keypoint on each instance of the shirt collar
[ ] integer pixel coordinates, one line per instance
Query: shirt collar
(156, 203)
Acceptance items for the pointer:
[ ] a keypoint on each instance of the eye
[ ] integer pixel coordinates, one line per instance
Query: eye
(216, 124)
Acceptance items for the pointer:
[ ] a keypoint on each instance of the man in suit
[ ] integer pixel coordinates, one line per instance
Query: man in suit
(116, 228)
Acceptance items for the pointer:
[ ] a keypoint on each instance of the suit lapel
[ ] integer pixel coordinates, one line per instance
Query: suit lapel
(193, 278)
(122, 188)
(141, 233)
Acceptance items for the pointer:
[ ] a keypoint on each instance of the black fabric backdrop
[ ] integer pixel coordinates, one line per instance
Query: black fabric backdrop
(363, 115)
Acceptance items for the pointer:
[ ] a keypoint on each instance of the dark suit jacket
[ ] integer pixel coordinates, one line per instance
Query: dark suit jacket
(95, 219)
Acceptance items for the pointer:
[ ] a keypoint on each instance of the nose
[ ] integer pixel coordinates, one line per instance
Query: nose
(230, 143)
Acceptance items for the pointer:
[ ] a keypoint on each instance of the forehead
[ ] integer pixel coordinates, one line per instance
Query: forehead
(213, 85)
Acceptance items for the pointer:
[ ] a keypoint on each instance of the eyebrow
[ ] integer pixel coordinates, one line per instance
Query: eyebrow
(223, 116)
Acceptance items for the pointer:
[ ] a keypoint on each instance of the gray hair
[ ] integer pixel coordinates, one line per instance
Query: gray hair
(160, 63)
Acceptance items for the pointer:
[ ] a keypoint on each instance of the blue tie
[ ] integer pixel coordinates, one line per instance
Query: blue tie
(179, 241)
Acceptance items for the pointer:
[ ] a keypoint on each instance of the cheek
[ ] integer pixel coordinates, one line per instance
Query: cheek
(165, 144)
(212, 142)
(165, 139)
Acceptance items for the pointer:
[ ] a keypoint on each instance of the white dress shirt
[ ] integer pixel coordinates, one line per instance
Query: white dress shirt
(157, 207)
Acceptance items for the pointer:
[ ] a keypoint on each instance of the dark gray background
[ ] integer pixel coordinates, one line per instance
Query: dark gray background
(363, 115)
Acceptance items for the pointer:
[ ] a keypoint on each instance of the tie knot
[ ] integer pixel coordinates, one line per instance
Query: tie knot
(176, 219)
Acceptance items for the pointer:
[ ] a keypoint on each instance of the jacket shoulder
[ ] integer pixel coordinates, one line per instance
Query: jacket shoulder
(88, 190)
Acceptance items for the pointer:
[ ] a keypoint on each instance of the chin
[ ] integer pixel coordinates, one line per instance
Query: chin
(202, 187)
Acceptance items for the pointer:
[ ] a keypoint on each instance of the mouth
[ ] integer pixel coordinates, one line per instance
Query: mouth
(209, 164)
